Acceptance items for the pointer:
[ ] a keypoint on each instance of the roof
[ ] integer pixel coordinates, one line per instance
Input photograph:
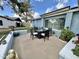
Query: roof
(11, 18)
(36, 19)
(60, 11)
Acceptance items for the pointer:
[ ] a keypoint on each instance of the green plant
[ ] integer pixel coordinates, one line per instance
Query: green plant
(66, 35)
(11, 27)
(76, 50)
(22, 25)
(3, 35)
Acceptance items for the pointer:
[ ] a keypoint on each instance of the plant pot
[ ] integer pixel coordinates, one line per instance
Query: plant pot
(78, 39)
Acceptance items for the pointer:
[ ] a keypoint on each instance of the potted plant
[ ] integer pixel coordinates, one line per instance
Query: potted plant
(77, 38)
(76, 41)
(66, 35)
(76, 50)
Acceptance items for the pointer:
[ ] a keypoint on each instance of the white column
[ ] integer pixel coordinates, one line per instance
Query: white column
(43, 22)
(68, 20)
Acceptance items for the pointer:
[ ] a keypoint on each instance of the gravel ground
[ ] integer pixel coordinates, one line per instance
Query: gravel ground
(37, 48)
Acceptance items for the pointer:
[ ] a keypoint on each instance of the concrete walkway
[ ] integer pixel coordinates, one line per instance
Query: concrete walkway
(37, 49)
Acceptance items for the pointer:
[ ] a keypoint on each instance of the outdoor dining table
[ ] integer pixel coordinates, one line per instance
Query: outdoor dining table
(42, 33)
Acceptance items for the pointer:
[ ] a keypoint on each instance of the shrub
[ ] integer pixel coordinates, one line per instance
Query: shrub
(3, 35)
(22, 25)
(11, 27)
(76, 50)
(66, 35)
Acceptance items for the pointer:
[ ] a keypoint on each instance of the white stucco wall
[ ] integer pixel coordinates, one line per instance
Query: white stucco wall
(72, 21)
(68, 19)
(75, 23)
(9, 43)
(38, 23)
(7, 23)
(4, 48)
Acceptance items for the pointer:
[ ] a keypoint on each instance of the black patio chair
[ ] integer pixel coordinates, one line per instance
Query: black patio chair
(43, 34)
(32, 35)
(47, 34)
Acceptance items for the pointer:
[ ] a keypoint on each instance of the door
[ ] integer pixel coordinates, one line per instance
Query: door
(17, 24)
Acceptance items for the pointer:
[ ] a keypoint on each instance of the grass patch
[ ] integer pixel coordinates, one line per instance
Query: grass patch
(3, 35)
(20, 28)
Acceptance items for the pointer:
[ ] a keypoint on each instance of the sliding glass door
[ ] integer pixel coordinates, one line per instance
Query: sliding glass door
(55, 23)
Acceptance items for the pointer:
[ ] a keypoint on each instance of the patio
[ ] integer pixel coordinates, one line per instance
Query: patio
(37, 48)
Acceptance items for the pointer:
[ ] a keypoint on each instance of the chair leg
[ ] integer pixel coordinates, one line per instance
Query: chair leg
(47, 38)
(32, 37)
(44, 39)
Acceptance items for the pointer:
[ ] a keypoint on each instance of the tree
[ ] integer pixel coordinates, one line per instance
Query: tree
(21, 8)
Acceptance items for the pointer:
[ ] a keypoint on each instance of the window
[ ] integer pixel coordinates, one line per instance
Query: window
(59, 24)
(1, 23)
(46, 23)
(55, 23)
(62, 23)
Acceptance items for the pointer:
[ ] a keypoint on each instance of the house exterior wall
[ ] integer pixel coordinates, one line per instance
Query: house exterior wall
(7, 23)
(38, 23)
(71, 21)
(71, 17)
(75, 23)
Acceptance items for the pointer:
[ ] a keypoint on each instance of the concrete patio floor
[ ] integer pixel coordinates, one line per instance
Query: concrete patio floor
(37, 48)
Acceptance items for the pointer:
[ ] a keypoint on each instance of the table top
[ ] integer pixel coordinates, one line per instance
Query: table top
(35, 33)
(41, 30)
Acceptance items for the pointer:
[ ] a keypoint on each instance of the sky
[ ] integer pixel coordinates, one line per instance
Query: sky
(41, 6)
